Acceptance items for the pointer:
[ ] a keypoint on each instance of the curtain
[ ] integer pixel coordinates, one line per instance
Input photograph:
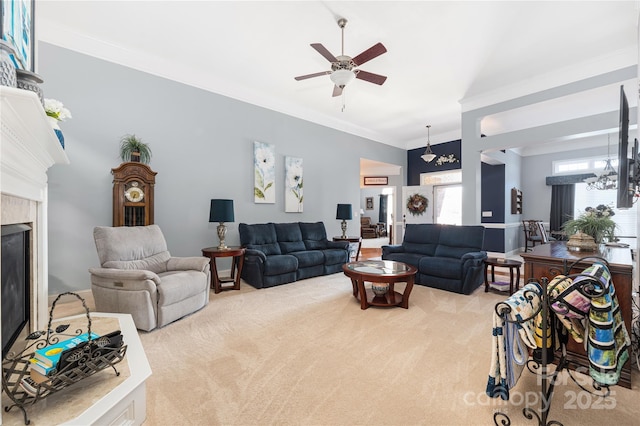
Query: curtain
(562, 205)
(382, 215)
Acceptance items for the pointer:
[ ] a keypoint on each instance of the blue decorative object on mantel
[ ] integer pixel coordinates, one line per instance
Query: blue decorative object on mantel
(60, 136)
(54, 125)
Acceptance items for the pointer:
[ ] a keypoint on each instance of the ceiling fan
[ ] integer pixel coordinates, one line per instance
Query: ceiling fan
(345, 68)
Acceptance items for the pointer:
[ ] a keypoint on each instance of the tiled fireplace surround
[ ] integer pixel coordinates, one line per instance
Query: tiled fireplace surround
(28, 149)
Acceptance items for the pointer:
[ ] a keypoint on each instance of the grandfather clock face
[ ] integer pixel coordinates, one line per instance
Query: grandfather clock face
(134, 192)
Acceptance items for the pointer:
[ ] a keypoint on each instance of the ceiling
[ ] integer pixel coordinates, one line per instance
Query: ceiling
(441, 56)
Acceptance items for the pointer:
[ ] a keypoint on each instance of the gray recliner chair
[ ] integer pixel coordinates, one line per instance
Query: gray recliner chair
(140, 277)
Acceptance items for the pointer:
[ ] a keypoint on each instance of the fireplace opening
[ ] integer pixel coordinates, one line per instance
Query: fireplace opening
(14, 285)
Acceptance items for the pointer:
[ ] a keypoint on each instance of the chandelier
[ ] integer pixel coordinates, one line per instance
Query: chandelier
(607, 179)
(428, 155)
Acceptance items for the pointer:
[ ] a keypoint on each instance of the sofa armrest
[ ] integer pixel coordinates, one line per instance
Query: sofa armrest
(194, 263)
(253, 255)
(481, 255)
(124, 276)
(396, 248)
(338, 245)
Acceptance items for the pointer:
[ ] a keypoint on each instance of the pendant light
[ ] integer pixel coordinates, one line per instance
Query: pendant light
(428, 155)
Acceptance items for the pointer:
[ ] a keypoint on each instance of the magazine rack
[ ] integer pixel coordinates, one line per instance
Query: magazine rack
(93, 357)
(588, 287)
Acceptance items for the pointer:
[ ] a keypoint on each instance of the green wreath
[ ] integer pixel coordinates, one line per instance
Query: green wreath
(417, 204)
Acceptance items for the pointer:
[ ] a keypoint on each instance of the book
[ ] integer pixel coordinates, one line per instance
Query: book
(35, 365)
(29, 385)
(50, 355)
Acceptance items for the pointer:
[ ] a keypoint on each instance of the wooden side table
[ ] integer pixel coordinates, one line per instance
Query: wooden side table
(352, 242)
(236, 267)
(503, 263)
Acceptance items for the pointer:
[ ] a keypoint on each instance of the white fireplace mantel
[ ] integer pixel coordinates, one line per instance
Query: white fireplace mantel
(29, 145)
(28, 148)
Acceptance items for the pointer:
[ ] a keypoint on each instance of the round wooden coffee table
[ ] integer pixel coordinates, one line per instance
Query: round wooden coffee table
(380, 272)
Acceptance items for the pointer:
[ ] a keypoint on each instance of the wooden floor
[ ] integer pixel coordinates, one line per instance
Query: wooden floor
(370, 253)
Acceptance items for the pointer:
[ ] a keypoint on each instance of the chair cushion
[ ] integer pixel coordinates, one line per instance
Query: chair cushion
(308, 258)
(156, 263)
(445, 267)
(335, 256)
(280, 264)
(123, 243)
(289, 237)
(314, 235)
(180, 285)
(261, 236)
(421, 238)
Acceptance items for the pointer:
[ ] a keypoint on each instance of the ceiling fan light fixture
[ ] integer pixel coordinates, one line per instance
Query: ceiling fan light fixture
(428, 155)
(342, 77)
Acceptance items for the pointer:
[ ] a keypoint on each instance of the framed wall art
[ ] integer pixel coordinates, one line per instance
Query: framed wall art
(264, 170)
(293, 185)
(17, 29)
(369, 203)
(376, 180)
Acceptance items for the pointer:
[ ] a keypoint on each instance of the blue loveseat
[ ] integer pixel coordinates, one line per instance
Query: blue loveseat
(280, 253)
(448, 257)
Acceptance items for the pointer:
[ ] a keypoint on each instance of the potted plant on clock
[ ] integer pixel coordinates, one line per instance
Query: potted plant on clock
(133, 149)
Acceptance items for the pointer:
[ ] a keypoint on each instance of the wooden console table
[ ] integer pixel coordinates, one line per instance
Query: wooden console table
(549, 260)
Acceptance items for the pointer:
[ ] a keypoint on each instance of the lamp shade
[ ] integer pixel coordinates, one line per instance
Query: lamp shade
(343, 212)
(342, 77)
(221, 211)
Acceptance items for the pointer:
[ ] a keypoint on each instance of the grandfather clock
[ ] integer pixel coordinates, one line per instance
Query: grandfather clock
(133, 184)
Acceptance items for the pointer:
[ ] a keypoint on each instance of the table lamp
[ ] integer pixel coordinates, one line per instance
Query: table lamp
(344, 212)
(221, 211)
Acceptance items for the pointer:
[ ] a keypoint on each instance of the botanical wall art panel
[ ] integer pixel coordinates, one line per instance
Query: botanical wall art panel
(293, 200)
(264, 165)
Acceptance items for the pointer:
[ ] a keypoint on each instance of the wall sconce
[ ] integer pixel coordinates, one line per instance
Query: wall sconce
(344, 212)
(221, 211)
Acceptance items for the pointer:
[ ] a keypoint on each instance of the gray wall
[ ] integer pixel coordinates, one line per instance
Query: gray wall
(202, 148)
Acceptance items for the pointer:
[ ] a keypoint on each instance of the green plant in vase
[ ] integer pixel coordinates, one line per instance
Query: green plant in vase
(133, 149)
(596, 222)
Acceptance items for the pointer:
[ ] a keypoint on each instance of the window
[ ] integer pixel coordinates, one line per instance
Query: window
(625, 219)
(448, 204)
(582, 165)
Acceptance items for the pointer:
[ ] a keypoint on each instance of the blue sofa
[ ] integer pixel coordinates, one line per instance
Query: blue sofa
(448, 257)
(280, 253)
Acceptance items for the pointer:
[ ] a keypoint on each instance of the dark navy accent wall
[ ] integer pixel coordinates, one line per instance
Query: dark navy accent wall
(492, 186)
(493, 200)
(416, 165)
(494, 240)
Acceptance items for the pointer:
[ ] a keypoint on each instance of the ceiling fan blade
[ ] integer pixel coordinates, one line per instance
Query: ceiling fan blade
(318, 74)
(372, 52)
(371, 77)
(337, 91)
(324, 52)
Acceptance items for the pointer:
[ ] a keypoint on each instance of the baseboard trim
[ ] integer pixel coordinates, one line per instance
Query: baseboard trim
(82, 293)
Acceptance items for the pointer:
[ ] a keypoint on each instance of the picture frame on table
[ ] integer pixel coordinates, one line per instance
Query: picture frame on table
(17, 29)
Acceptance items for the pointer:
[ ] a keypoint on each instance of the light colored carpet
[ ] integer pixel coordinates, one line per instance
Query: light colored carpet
(306, 354)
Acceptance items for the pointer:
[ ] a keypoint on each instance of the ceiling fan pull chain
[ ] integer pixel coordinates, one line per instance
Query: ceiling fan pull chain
(343, 101)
